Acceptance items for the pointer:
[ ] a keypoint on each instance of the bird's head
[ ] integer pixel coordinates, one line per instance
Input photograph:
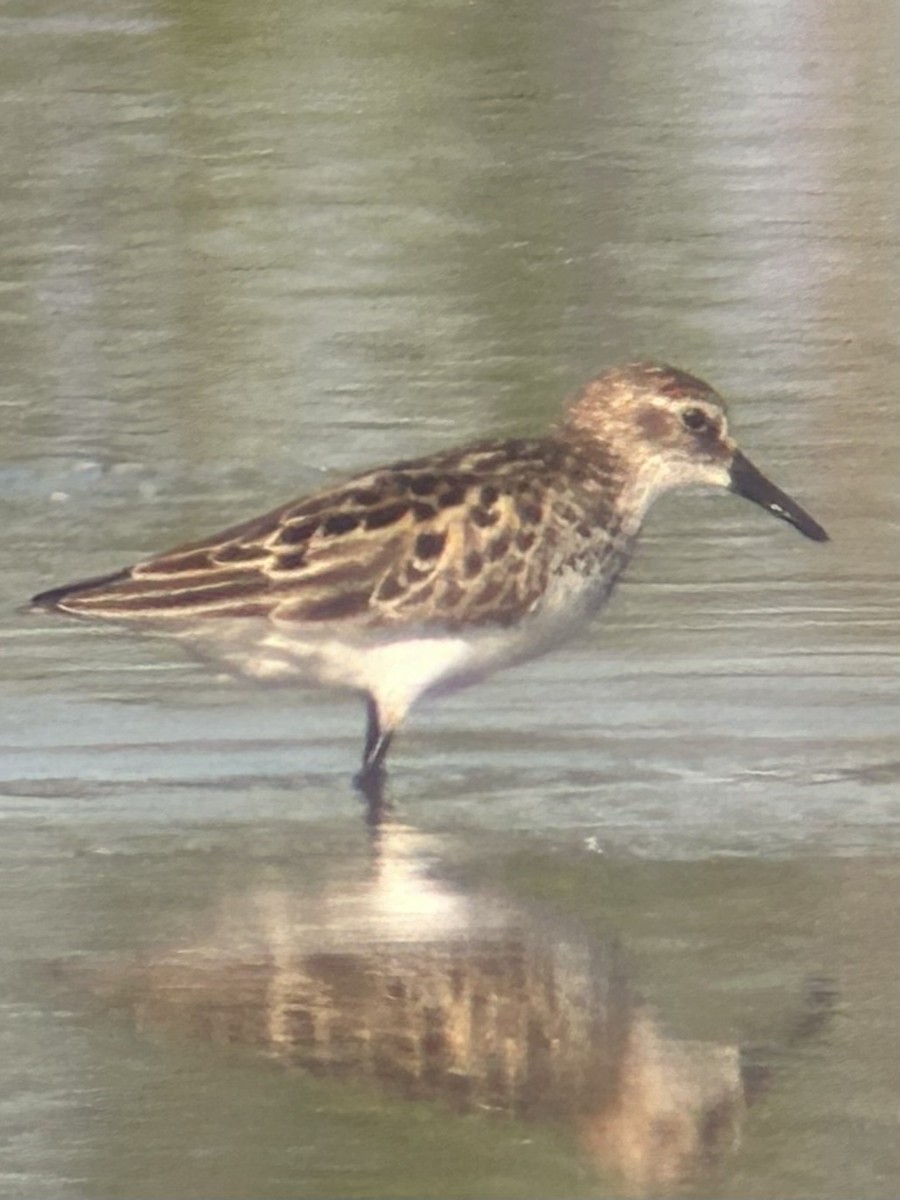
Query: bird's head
(669, 430)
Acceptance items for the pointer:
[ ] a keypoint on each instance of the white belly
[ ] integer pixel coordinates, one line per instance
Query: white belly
(394, 665)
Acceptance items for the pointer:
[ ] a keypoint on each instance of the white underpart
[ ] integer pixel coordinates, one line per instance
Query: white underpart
(396, 667)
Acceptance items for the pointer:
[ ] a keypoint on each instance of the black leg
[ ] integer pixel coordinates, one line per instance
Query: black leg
(371, 786)
(378, 740)
(372, 776)
(373, 729)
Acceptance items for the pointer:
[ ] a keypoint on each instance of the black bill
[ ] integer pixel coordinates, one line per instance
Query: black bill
(753, 485)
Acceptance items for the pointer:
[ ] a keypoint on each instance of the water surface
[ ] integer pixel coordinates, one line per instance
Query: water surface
(246, 250)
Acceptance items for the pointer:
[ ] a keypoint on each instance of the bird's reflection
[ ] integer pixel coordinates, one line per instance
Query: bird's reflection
(440, 994)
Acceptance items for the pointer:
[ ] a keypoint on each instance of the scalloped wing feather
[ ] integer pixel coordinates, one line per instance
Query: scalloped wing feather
(451, 539)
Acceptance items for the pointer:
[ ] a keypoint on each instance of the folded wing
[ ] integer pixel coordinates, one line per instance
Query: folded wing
(447, 540)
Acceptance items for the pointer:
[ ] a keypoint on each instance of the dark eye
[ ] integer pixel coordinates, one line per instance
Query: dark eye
(694, 419)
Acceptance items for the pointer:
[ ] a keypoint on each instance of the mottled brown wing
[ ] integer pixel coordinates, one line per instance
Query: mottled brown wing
(446, 539)
(474, 563)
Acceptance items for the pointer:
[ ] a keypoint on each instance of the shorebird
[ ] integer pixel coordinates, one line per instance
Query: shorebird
(430, 574)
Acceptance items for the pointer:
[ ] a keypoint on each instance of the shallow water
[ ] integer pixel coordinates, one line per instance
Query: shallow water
(244, 251)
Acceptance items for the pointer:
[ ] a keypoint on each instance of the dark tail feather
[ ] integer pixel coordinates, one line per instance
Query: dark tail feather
(54, 599)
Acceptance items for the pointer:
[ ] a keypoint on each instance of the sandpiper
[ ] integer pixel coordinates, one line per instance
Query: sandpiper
(430, 574)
